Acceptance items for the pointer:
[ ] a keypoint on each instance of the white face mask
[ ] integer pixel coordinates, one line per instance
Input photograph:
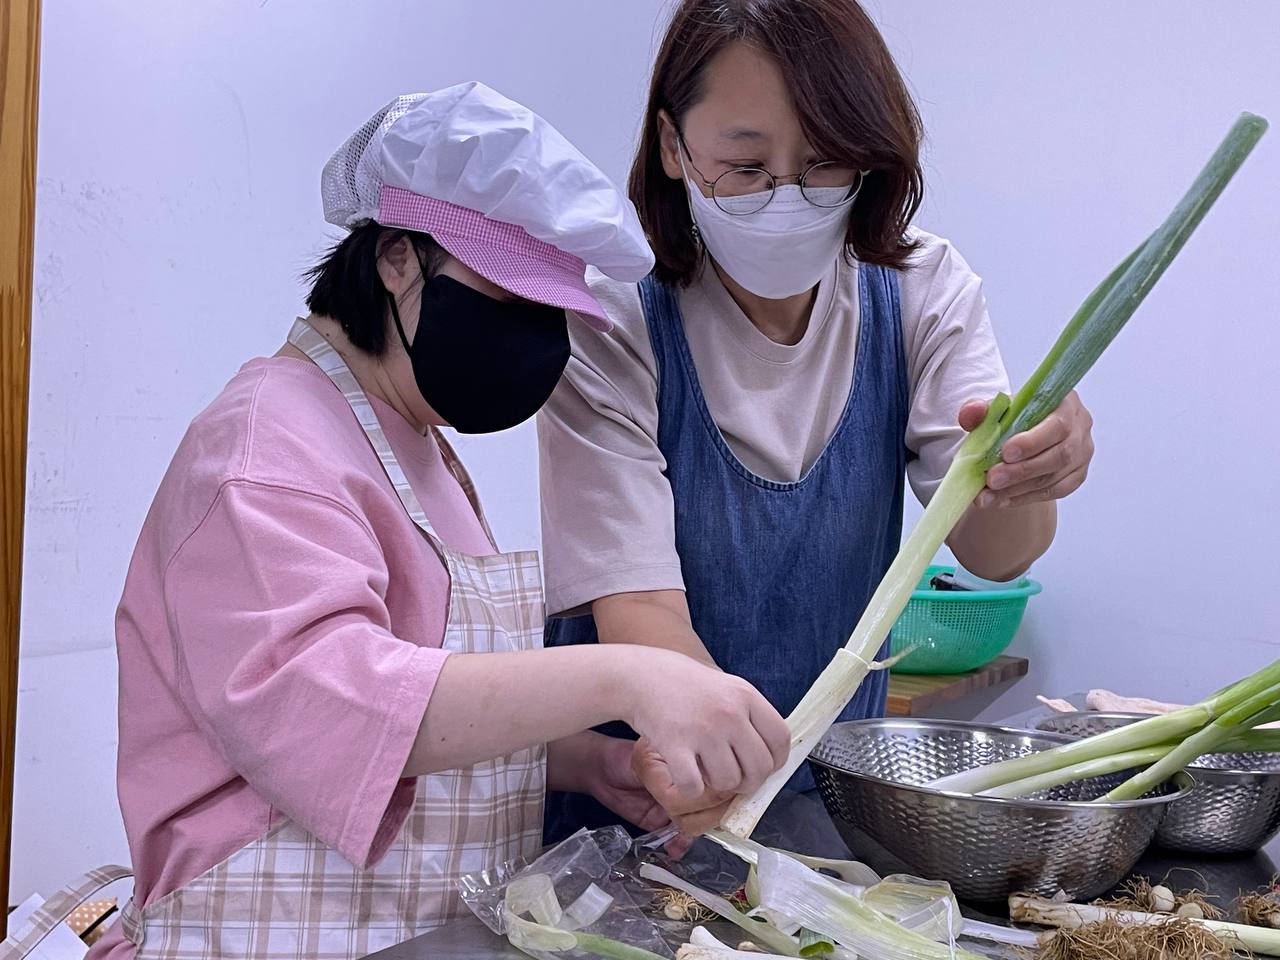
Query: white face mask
(779, 251)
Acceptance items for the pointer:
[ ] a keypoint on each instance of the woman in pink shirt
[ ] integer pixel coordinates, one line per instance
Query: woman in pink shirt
(312, 747)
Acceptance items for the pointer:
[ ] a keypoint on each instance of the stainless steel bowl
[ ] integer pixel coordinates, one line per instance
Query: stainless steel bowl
(870, 774)
(1235, 807)
(1086, 723)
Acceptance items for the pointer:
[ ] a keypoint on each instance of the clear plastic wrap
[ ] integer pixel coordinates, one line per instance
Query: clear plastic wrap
(790, 889)
(571, 902)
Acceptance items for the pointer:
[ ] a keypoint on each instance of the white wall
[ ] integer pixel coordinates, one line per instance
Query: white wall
(1060, 135)
(180, 147)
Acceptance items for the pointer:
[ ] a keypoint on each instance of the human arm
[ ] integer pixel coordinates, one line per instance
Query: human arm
(287, 660)
(714, 731)
(953, 360)
(655, 618)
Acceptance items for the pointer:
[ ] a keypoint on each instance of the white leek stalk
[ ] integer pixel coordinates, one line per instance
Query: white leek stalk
(1115, 763)
(818, 903)
(757, 930)
(747, 850)
(703, 945)
(1070, 916)
(1093, 327)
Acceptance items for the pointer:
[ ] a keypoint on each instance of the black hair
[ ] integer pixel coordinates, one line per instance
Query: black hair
(345, 285)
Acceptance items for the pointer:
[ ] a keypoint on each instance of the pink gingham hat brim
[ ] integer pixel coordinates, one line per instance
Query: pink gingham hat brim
(502, 253)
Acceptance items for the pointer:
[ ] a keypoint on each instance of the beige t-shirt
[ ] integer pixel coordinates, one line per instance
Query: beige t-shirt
(608, 521)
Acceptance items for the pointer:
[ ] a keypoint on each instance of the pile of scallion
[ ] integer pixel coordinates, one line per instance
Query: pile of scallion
(1162, 745)
(1092, 328)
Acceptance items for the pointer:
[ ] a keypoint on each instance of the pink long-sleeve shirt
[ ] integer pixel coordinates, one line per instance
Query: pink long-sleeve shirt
(279, 634)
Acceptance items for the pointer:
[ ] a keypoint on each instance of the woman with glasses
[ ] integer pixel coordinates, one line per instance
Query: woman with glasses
(723, 474)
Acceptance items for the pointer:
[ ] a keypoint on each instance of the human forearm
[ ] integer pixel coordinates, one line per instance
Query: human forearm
(490, 705)
(652, 618)
(1000, 543)
(720, 732)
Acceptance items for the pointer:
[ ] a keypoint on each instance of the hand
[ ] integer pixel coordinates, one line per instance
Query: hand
(1047, 462)
(713, 731)
(693, 816)
(615, 782)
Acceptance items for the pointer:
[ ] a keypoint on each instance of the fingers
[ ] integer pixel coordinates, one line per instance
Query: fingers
(972, 414)
(699, 822)
(1050, 432)
(1047, 462)
(654, 818)
(756, 765)
(1042, 470)
(721, 769)
(773, 731)
(1060, 488)
(685, 775)
(679, 845)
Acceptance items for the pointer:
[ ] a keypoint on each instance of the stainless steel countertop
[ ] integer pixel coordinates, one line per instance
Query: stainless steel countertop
(799, 822)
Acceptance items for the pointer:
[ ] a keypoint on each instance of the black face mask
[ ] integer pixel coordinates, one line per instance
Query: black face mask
(482, 364)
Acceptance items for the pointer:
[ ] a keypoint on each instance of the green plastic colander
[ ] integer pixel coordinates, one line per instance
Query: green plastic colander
(957, 630)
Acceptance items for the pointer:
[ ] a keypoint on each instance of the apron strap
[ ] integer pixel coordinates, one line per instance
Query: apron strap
(57, 909)
(305, 338)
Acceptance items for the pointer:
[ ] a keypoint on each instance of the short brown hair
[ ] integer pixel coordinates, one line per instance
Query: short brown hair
(853, 106)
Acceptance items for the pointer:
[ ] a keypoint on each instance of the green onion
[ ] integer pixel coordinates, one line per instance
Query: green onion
(850, 871)
(758, 930)
(1182, 736)
(1071, 916)
(815, 944)
(703, 945)
(1093, 327)
(553, 930)
(1127, 760)
(1260, 708)
(790, 889)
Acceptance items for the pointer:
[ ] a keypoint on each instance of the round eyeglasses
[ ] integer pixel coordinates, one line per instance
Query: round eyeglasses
(746, 190)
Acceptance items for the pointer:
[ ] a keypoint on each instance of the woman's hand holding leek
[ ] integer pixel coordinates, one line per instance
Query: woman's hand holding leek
(1013, 519)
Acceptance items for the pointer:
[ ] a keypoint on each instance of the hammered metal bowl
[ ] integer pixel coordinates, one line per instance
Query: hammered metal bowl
(870, 774)
(1235, 807)
(1086, 723)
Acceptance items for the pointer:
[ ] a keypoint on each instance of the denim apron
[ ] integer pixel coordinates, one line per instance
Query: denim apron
(776, 574)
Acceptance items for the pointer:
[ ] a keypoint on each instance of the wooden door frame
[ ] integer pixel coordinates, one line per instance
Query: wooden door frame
(19, 99)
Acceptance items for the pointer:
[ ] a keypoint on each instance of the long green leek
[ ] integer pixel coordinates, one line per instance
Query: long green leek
(1185, 734)
(1093, 327)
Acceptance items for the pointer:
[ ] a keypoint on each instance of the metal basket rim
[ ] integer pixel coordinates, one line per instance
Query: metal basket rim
(1184, 782)
(1235, 772)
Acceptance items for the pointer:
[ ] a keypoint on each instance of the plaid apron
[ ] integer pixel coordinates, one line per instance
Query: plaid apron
(287, 895)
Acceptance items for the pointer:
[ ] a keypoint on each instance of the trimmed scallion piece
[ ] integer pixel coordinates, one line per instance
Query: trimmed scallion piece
(1093, 327)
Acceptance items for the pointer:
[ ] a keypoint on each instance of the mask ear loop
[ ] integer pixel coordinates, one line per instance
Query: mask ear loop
(688, 185)
(391, 300)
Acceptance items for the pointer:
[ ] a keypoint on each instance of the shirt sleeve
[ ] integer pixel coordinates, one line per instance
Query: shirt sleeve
(952, 357)
(287, 661)
(608, 516)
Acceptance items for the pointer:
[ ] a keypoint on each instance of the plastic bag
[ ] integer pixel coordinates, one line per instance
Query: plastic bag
(790, 889)
(560, 905)
(925, 906)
